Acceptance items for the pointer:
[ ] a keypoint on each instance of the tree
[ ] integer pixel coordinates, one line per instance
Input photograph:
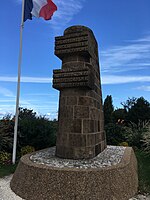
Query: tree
(119, 114)
(6, 134)
(116, 134)
(35, 131)
(129, 103)
(108, 109)
(26, 113)
(138, 115)
(138, 110)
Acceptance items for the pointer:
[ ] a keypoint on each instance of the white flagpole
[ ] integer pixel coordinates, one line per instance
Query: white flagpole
(18, 87)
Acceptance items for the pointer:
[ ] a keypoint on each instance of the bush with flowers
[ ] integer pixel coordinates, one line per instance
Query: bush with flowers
(5, 158)
(27, 149)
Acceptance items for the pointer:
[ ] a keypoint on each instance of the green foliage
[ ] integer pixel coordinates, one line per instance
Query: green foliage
(26, 113)
(136, 138)
(119, 114)
(108, 109)
(146, 138)
(143, 171)
(128, 124)
(6, 134)
(6, 170)
(117, 134)
(5, 158)
(35, 131)
(129, 103)
(27, 149)
(140, 111)
(124, 144)
(146, 142)
(137, 110)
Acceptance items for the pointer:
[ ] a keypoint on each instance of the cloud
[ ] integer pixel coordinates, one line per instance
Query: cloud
(7, 100)
(7, 106)
(26, 79)
(66, 11)
(5, 92)
(3, 113)
(144, 88)
(38, 94)
(112, 79)
(106, 79)
(145, 39)
(133, 56)
(6, 110)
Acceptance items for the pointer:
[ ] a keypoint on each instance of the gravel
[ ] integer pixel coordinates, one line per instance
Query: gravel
(112, 155)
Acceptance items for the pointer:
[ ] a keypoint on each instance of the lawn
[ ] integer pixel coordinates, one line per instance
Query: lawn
(6, 170)
(143, 171)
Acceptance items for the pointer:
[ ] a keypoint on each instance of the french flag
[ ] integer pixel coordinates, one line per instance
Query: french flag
(39, 8)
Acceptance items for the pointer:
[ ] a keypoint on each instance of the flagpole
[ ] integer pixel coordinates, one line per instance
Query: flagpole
(18, 87)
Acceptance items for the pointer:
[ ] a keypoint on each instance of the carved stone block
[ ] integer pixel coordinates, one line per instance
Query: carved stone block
(81, 130)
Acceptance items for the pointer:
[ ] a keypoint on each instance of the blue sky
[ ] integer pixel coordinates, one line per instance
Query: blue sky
(122, 29)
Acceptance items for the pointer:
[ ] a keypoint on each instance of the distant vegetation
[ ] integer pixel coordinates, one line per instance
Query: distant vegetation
(126, 126)
(34, 133)
(130, 124)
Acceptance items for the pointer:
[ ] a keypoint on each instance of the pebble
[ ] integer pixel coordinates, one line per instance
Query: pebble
(112, 155)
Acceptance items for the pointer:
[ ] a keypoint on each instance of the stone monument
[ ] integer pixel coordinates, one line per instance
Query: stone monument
(81, 122)
(81, 166)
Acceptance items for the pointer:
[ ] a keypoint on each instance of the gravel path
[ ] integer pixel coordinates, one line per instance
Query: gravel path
(7, 194)
(141, 197)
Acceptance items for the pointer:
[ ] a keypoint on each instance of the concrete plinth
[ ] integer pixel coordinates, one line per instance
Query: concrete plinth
(33, 181)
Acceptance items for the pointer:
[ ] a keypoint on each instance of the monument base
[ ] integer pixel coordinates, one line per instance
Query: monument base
(39, 176)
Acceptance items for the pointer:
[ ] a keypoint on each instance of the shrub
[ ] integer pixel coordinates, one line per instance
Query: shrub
(117, 134)
(5, 158)
(146, 140)
(6, 135)
(124, 144)
(136, 139)
(108, 109)
(27, 149)
(35, 131)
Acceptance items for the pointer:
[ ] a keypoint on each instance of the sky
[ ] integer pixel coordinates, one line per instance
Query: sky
(122, 30)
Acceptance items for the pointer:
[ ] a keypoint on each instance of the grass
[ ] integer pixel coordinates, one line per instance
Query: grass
(143, 171)
(6, 170)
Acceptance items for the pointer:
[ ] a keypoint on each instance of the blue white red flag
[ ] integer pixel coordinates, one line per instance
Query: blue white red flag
(39, 8)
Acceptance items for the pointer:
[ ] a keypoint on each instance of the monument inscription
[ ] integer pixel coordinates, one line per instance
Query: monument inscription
(81, 122)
